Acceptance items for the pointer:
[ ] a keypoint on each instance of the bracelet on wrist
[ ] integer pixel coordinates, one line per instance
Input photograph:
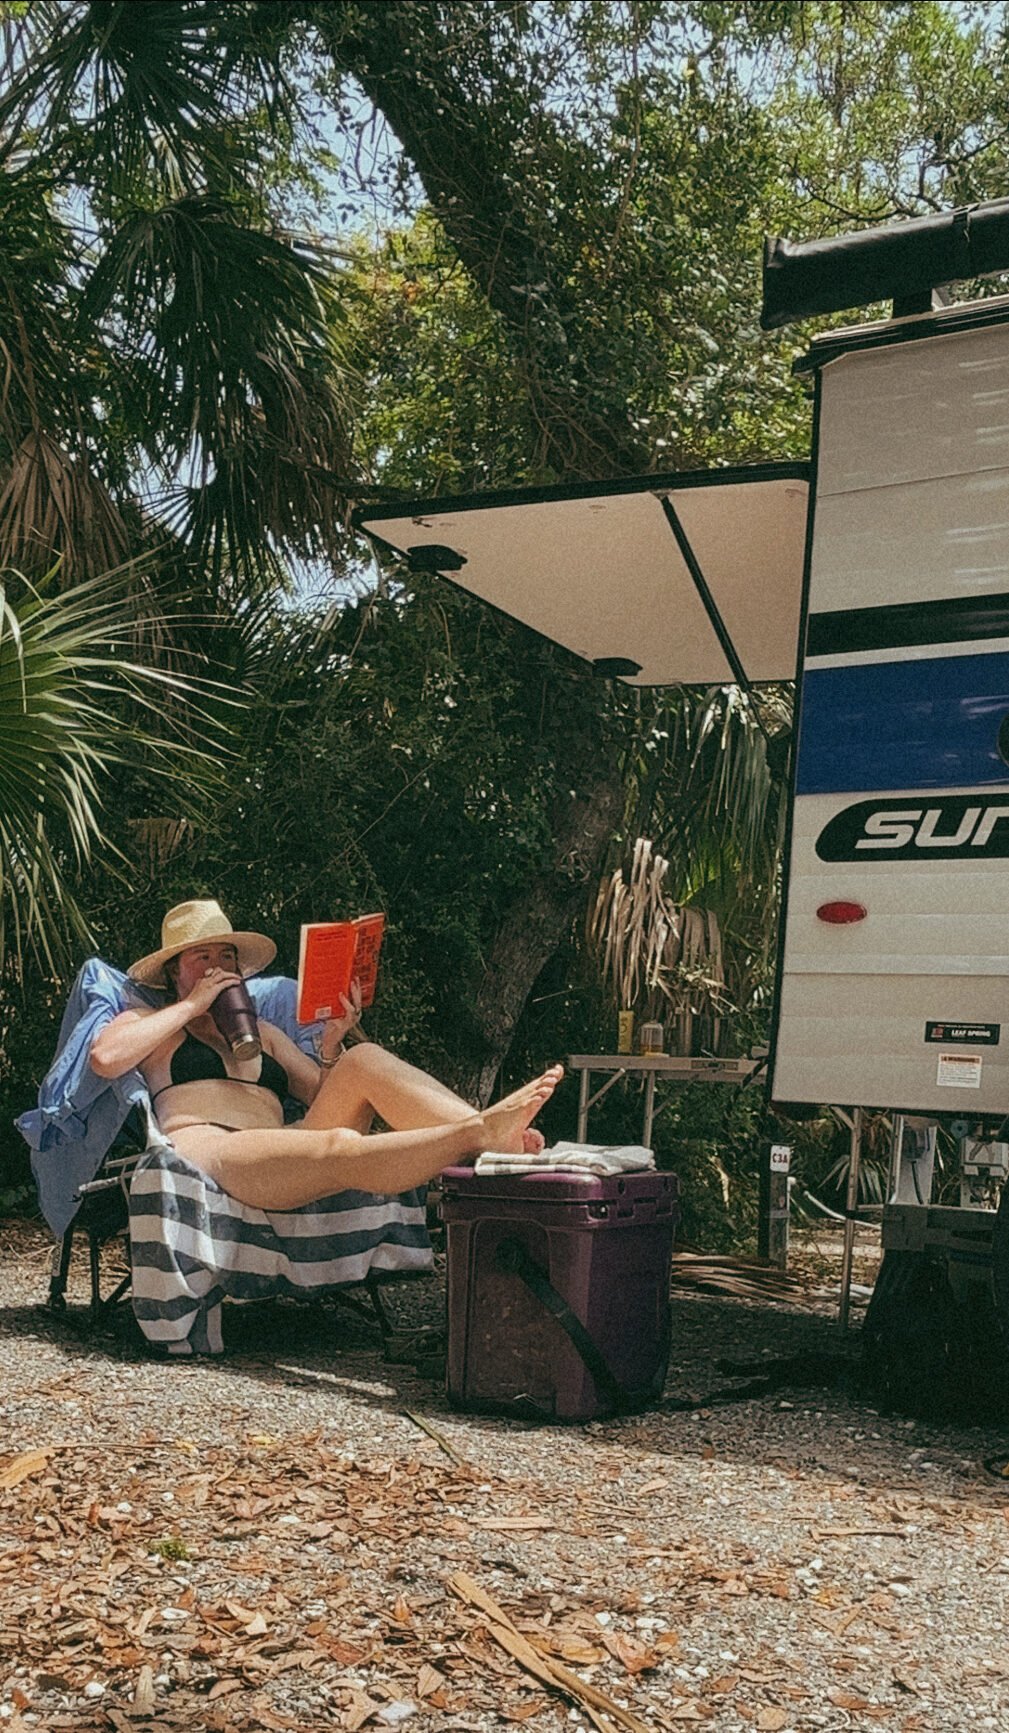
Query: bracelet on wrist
(324, 1059)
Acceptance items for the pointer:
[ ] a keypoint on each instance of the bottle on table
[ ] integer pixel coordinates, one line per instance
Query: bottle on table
(650, 1040)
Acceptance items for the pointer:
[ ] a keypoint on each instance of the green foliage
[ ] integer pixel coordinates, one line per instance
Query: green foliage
(68, 676)
(396, 758)
(562, 281)
(445, 410)
(887, 109)
(172, 1547)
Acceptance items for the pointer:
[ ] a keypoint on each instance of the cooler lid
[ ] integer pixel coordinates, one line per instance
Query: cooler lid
(559, 1186)
(660, 580)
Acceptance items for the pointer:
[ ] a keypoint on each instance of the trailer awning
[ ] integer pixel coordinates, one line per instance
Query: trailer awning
(662, 579)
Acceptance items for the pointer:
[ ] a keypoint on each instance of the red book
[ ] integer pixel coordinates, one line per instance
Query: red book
(333, 954)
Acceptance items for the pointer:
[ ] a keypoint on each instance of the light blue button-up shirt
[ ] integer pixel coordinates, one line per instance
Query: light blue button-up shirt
(79, 1113)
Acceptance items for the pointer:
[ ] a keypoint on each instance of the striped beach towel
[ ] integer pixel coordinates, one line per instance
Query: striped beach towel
(193, 1246)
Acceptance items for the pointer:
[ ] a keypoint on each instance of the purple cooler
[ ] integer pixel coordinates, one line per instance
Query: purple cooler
(558, 1291)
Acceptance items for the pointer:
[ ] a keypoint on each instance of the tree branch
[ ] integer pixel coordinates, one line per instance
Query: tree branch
(469, 155)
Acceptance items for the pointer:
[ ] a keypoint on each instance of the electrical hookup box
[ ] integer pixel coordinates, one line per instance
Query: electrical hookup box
(894, 974)
(558, 1291)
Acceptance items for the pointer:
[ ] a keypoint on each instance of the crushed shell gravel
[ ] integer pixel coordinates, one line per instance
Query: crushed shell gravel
(822, 1565)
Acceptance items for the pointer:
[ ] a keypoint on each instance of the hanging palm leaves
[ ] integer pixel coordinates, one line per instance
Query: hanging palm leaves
(226, 336)
(658, 958)
(168, 355)
(73, 703)
(706, 780)
(54, 505)
(124, 92)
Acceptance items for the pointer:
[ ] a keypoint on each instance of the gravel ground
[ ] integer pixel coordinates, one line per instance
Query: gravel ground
(274, 1541)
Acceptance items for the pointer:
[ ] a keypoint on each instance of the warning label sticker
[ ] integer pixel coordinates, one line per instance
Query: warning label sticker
(959, 1071)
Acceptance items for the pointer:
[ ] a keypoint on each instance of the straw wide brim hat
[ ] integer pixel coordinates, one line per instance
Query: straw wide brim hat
(197, 923)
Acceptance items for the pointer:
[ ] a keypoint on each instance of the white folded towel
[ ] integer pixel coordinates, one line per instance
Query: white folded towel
(596, 1158)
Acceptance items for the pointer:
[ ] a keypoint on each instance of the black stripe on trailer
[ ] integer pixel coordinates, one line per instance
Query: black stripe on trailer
(951, 621)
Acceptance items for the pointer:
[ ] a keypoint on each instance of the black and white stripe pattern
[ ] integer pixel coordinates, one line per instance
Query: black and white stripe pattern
(193, 1246)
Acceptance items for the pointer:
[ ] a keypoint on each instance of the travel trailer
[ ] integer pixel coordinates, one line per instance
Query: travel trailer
(875, 575)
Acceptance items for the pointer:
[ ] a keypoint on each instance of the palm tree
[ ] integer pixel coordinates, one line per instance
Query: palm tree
(76, 701)
(718, 812)
(171, 357)
(173, 410)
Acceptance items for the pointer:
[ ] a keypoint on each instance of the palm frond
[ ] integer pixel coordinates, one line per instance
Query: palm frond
(67, 686)
(158, 840)
(53, 507)
(231, 341)
(128, 90)
(709, 785)
(39, 362)
(659, 959)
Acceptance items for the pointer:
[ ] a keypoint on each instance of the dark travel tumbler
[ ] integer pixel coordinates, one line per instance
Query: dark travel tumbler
(235, 1016)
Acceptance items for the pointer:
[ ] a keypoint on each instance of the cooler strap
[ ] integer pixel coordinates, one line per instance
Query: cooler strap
(512, 1256)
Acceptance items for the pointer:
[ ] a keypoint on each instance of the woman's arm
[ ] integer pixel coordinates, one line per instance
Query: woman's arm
(303, 1074)
(133, 1036)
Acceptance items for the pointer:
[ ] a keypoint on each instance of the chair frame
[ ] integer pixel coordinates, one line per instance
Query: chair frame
(110, 1187)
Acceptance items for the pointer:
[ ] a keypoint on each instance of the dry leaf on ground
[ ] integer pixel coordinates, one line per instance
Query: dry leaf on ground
(635, 1656)
(29, 1463)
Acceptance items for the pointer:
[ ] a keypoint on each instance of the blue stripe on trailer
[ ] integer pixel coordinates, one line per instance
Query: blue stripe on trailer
(932, 722)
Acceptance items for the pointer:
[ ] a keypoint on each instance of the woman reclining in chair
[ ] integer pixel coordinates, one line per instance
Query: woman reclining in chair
(226, 1115)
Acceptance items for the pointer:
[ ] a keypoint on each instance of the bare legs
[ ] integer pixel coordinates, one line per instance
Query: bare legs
(329, 1151)
(368, 1080)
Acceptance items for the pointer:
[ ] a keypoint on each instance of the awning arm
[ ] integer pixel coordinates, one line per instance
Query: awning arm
(718, 625)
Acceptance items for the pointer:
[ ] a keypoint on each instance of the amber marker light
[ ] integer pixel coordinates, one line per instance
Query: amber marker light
(841, 914)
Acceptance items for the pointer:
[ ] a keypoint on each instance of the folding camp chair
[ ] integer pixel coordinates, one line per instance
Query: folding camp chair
(104, 1217)
(189, 1245)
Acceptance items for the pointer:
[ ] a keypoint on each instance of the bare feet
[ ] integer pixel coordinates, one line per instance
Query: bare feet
(507, 1123)
(533, 1141)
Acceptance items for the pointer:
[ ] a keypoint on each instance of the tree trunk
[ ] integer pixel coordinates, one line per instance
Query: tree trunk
(433, 71)
(533, 928)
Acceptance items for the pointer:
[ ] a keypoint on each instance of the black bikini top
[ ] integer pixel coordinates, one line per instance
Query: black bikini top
(195, 1060)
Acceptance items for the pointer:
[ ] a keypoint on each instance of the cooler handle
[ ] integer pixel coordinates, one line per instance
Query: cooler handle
(511, 1256)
